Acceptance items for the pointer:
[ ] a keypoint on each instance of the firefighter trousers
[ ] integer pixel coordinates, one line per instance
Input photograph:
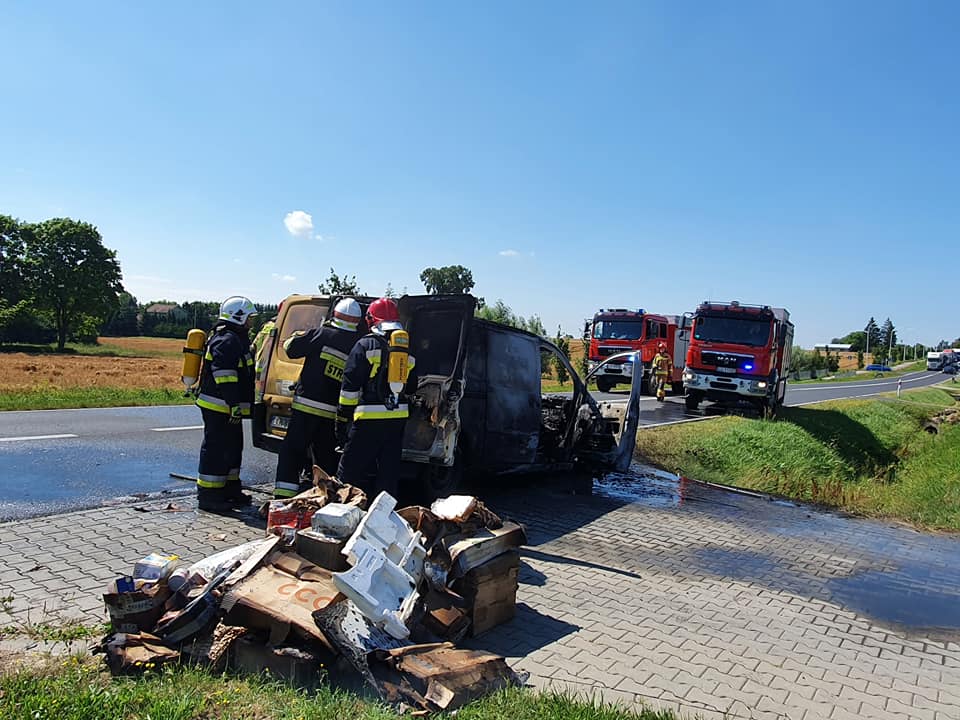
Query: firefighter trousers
(305, 432)
(373, 446)
(221, 454)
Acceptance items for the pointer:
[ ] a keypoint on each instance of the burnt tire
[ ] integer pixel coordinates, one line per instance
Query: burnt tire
(437, 481)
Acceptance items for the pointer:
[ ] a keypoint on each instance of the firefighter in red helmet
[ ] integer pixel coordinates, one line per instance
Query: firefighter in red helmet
(662, 368)
(372, 413)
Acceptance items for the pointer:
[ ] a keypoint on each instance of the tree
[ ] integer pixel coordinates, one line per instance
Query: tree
(70, 273)
(888, 338)
(564, 346)
(501, 313)
(14, 302)
(339, 285)
(447, 280)
(857, 340)
(859, 359)
(872, 336)
(122, 320)
(390, 292)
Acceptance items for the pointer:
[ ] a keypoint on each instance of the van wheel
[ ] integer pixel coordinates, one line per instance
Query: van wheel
(604, 385)
(438, 481)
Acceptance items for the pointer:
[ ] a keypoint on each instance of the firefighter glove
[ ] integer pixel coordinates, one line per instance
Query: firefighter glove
(340, 429)
(236, 414)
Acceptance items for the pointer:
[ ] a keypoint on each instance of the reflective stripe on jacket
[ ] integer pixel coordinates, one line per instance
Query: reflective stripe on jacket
(227, 378)
(325, 351)
(364, 389)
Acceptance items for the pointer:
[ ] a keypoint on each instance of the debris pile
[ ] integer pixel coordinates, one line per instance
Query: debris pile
(339, 585)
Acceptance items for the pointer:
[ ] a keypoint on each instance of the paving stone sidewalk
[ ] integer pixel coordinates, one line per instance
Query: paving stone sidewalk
(678, 596)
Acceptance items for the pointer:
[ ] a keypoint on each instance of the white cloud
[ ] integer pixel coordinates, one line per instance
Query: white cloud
(319, 237)
(508, 253)
(284, 278)
(299, 223)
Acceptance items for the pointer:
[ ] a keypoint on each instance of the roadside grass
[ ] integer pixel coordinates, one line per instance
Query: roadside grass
(54, 398)
(105, 347)
(863, 375)
(866, 456)
(78, 688)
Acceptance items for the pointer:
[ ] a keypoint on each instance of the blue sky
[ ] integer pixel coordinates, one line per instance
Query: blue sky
(572, 156)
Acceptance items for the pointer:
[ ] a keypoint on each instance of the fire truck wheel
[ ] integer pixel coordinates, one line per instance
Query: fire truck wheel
(677, 388)
(691, 401)
(604, 385)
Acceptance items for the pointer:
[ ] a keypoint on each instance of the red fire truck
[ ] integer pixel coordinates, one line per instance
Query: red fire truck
(618, 330)
(739, 353)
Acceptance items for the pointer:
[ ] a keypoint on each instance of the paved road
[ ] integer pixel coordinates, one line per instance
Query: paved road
(673, 410)
(651, 590)
(57, 460)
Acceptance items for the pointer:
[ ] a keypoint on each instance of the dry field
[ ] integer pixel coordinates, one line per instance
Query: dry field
(159, 368)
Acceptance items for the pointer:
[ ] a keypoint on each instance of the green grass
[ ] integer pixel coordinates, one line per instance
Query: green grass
(42, 398)
(102, 349)
(77, 688)
(868, 456)
(865, 375)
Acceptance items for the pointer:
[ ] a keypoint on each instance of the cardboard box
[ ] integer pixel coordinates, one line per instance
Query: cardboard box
(281, 597)
(133, 612)
(322, 550)
(474, 549)
(293, 665)
(491, 591)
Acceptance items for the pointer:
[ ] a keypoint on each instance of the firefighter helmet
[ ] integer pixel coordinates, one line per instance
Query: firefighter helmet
(346, 314)
(383, 314)
(237, 309)
(661, 346)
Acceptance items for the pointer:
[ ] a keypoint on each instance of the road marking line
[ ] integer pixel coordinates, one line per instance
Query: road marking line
(171, 429)
(37, 437)
(677, 422)
(851, 386)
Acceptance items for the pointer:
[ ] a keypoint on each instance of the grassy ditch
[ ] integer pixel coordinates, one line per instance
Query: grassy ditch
(868, 456)
(52, 398)
(77, 688)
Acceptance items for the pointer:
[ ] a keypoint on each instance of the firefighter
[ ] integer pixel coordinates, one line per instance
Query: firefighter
(260, 346)
(325, 351)
(662, 367)
(225, 397)
(373, 409)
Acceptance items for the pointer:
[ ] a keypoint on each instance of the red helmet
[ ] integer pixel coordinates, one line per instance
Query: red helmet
(661, 346)
(383, 311)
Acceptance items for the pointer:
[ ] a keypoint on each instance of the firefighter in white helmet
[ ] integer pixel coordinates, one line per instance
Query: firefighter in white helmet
(225, 397)
(662, 368)
(324, 350)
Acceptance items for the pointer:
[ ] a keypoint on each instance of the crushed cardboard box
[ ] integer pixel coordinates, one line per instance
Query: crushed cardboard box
(262, 605)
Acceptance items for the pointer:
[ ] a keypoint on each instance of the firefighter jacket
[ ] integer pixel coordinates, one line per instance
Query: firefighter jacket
(325, 349)
(365, 391)
(662, 364)
(260, 343)
(227, 377)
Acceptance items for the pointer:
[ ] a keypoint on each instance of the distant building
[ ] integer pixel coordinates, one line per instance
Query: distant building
(846, 358)
(832, 347)
(167, 312)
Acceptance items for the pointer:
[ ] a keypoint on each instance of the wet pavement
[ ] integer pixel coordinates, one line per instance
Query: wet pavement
(651, 590)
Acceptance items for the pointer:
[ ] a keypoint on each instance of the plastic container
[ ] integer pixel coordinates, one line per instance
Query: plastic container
(155, 567)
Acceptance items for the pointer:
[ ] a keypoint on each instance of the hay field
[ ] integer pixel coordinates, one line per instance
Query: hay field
(147, 364)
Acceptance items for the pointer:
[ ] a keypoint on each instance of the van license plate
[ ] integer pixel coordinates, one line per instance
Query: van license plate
(280, 422)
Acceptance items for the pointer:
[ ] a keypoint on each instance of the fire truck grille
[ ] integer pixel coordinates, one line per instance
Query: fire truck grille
(608, 351)
(726, 360)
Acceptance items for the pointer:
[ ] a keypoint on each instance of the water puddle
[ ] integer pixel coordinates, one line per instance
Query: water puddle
(904, 598)
(642, 484)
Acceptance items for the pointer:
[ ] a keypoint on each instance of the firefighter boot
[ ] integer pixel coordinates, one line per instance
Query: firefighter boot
(661, 390)
(233, 494)
(213, 500)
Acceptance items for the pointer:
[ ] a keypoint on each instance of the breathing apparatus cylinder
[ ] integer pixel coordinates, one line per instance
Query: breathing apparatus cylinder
(398, 369)
(192, 357)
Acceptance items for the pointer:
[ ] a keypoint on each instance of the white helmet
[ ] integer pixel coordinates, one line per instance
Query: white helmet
(346, 314)
(237, 309)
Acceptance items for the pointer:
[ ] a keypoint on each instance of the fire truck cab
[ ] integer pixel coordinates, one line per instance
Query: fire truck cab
(619, 330)
(739, 353)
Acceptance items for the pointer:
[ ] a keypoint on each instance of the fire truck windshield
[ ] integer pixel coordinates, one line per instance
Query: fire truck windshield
(618, 329)
(737, 331)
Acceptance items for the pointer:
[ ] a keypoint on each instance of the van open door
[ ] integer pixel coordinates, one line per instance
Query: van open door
(608, 439)
(439, 326)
